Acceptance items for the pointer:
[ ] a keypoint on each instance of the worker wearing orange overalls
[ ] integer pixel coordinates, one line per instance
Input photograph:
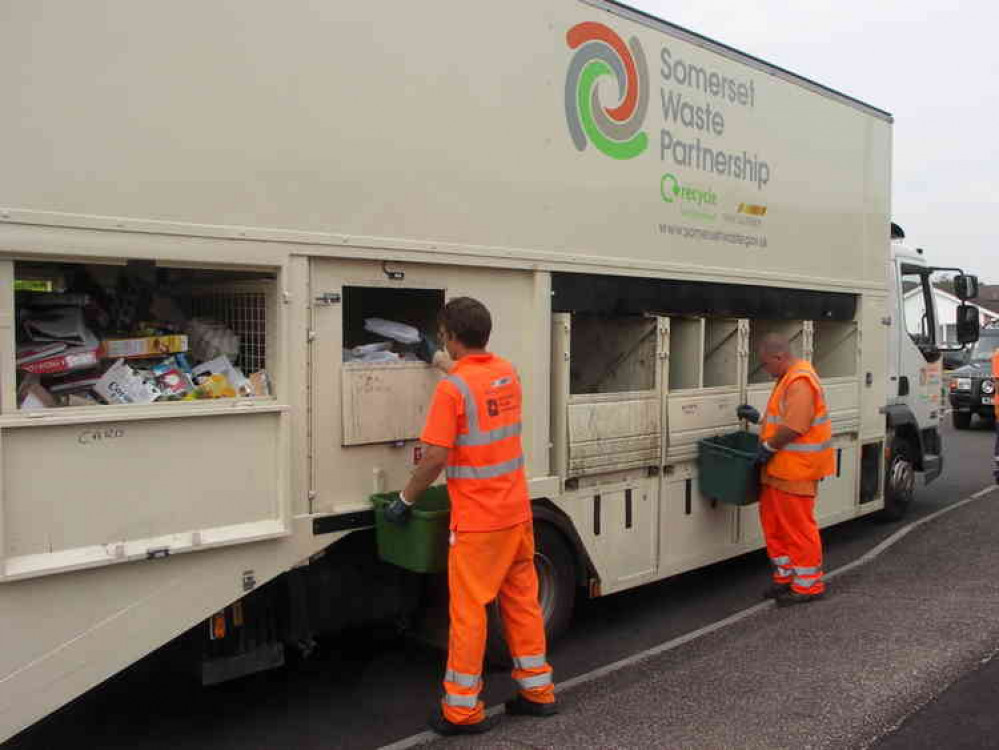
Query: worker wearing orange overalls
(995, 377)
(473, 433)
(795, 453)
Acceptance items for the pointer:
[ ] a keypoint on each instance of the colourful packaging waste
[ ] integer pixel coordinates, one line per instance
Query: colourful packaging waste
(123, 385)
(143, 347)
(68, 360)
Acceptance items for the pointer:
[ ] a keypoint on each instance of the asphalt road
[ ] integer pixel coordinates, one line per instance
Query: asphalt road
(367, 689)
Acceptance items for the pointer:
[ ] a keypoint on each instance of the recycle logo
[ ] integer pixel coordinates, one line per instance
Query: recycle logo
(615, 131)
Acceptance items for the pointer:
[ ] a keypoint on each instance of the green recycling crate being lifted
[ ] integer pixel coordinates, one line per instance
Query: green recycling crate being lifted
(726, 467)
(420, 545)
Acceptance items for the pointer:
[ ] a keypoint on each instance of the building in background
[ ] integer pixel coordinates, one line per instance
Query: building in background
(946, 304)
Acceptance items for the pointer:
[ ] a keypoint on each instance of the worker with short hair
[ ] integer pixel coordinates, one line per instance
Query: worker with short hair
(472, 432)
(795, 453)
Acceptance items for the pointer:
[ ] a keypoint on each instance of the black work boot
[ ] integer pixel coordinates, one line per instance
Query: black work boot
(775, 590)
(791, 597)
(521, 706)
(442, 726)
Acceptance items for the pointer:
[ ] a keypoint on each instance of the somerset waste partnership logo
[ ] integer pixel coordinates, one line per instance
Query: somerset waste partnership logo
(615, 131)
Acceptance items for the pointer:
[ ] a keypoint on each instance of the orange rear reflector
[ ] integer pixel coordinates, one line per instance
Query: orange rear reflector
(216, 626)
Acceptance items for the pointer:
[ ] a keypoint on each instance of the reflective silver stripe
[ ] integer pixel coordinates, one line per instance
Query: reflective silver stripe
(463, 701)
(490, 471)
(784, 572)
(807, 571)
(815, 422)
(529, 662)
(475, 436)
(489, 436)
(808, 447)
(462, 679)
(806, 583)
(783, 560)
(537, 681)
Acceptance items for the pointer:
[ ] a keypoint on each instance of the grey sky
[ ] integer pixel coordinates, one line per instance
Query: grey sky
(933, 65)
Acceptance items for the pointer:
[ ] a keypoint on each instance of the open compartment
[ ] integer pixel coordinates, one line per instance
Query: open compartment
(793, 330)
(705, 367)
(386, 388)
(606, 393)
(835, 348)
(721, 353)
(139, 333)
(686, 353)
(612, 354)
(127, 377)
(383, 324)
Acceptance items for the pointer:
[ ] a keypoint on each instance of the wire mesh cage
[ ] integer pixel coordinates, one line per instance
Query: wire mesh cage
(244, 310)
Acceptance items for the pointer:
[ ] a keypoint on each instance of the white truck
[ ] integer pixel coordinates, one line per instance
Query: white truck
(240, 187)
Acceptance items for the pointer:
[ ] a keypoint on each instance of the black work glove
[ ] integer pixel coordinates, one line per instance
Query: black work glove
(426, 348)
(764, 453)
(398, 511)
(749, 413)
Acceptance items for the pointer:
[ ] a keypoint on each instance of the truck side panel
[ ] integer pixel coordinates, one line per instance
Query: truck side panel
(426, 126)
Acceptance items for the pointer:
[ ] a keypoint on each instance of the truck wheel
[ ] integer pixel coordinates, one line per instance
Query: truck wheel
(900, 481)
(961, 419)
(556, 567)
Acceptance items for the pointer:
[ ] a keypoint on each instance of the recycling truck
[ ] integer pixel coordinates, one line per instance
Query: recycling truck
(203, 208)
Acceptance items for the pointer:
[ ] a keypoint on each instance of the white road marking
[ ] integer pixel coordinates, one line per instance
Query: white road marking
(582, 679)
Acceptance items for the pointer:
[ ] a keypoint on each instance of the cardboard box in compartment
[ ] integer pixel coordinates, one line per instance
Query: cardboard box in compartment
(68, 360)
(143, 347)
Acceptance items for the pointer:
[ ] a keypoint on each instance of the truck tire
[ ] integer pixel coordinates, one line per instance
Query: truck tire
(900, 480)
(961, 419)
(556, 566)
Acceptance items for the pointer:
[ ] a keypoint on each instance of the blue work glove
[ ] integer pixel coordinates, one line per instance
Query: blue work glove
(426, 348)
(398, 511)
(749, 413)
(764, 453)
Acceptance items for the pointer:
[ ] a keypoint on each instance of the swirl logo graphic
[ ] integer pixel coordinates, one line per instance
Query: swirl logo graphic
(615, 131)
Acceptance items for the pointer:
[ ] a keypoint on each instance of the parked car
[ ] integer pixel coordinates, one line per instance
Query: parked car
(972, 387)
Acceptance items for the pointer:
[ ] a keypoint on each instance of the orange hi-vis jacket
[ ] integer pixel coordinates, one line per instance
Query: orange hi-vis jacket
(995, 377)
(810, 456)
(476, 413)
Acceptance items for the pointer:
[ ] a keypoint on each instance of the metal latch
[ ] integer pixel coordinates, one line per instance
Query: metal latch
(328, 298)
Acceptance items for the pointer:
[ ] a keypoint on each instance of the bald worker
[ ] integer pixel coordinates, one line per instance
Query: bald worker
(795, 453)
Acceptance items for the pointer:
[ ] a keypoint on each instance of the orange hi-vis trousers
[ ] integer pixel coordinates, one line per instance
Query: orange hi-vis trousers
(793, 541)
(483, 566)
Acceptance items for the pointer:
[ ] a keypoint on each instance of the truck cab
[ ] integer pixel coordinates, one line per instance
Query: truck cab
(915, 396)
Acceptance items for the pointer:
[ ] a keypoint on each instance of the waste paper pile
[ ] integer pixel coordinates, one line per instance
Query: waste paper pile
(86, 341)
(396, 344)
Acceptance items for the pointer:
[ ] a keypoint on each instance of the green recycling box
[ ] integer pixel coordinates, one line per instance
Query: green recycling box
(421, 545)
(727, 469)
